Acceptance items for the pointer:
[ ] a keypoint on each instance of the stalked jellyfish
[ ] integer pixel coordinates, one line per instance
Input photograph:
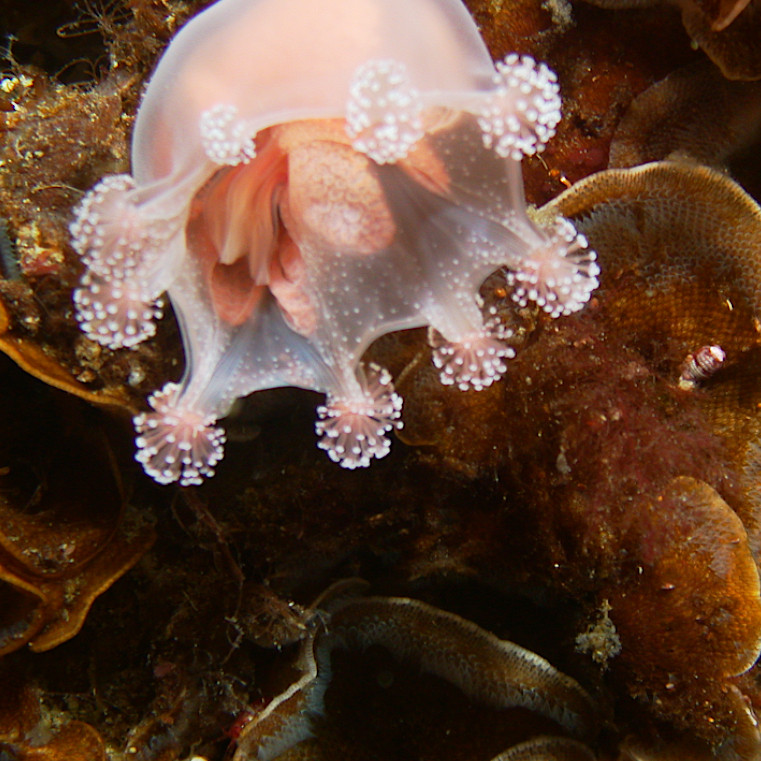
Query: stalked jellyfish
(307, 177)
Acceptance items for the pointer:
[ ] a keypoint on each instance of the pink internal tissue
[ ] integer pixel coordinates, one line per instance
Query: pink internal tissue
(307, 177)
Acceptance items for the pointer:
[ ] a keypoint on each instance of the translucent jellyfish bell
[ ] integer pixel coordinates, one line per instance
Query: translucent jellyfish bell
(308, 176)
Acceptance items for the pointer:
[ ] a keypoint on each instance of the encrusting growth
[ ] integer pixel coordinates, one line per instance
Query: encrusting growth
(293, 221)
(488, 670)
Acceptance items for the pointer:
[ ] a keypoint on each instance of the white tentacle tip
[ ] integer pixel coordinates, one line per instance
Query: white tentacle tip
(519, 116)
(226, 138)
(475, 362)
(353, 431)
(176, 442)
(383, 113)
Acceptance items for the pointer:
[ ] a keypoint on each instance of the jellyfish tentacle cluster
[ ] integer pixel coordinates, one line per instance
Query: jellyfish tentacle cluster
(294, 219)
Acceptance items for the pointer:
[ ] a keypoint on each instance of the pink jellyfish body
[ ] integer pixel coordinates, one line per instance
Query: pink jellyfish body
(307, 177)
